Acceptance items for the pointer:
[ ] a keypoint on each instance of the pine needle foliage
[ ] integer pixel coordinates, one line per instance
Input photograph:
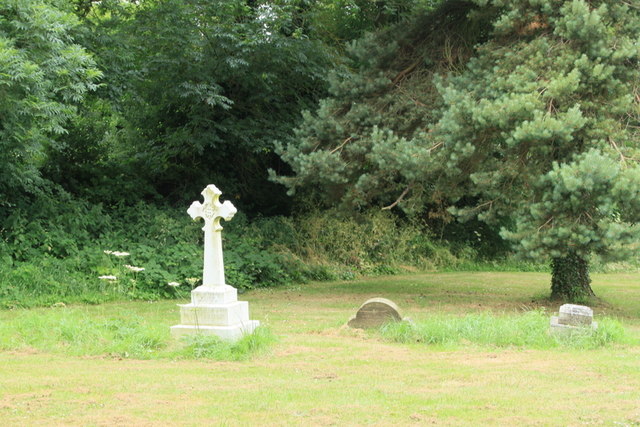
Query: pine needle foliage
(528, 119)
(542, 129)
(367, 142)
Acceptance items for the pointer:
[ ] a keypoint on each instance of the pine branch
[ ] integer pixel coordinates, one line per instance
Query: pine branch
(623, 158)
(398, 200)
(403, 74)
(339, 147)
(546, 223)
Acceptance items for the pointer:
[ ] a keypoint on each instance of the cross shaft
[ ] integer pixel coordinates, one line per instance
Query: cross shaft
(212, 211)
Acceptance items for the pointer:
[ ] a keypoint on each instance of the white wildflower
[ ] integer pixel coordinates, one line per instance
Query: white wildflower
(108, 278)
(174, 284)
(191, 280)
(116, 253)
(133, 268)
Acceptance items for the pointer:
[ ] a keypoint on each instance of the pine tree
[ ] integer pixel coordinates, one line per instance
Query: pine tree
(539, 130)
(367, 143)
(542, 128)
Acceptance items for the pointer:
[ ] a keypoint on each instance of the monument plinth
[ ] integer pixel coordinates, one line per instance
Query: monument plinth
(214, 307)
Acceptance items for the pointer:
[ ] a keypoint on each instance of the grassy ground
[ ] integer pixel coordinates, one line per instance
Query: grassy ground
(318, 373)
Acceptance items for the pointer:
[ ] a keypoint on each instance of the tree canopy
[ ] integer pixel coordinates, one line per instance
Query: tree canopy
(44, 75)
(537, 131)
(521, 118)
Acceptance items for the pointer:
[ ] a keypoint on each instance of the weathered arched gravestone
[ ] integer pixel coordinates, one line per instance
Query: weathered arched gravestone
(375, 313)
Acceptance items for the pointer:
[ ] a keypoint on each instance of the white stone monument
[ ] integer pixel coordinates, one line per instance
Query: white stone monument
(214, 307)
(573, 317)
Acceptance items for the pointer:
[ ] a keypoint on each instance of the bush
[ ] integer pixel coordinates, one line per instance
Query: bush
(375, 242)
(56, 248)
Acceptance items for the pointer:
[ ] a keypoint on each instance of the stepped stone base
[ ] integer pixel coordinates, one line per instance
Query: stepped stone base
(230, 333)
(214, 314)
(558, 327)
(215, 311)
(214, 295)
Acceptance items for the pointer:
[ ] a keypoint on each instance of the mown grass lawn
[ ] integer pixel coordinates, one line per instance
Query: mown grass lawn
(319, 373)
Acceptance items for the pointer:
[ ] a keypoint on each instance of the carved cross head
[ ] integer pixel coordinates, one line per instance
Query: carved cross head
(212, 210)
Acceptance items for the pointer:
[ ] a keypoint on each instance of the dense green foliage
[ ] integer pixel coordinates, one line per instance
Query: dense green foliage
(368, 141)
(44, 74)
(53, 251)
(521, 118)
(195, 92)
(535, 130)
(58, 254)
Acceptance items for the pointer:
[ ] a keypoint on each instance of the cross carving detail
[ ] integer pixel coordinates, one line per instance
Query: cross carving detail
(212, 211)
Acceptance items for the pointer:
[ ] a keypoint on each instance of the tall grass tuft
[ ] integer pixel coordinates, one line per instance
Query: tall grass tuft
(528, 330)
(73, 331)
(212, 347)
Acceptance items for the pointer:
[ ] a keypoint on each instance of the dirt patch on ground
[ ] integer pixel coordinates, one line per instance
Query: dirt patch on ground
(344, 331)
(294, 350)
(25, 402)
(115, 419)
(26, 351)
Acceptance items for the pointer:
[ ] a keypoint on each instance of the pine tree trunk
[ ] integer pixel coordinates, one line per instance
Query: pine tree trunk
(570, 278)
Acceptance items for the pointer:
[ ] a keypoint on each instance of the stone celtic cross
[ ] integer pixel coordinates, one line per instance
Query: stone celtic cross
(212, 211)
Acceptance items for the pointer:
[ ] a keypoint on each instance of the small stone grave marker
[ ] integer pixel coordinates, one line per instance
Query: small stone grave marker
(573, 317)
(374, 313)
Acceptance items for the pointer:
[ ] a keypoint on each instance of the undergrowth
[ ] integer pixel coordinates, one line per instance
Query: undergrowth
(528, 330)
(58, 249)
(63, 250)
